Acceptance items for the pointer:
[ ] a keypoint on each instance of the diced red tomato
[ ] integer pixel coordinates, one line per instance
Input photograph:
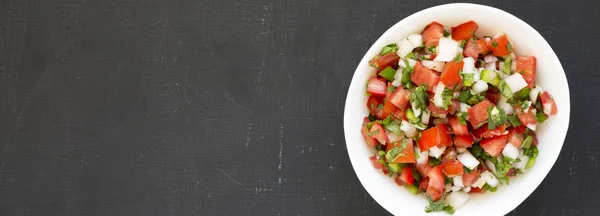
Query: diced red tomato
(424, 168)
(515, 138)
(435, 188)
(452, 168)
(373, 105)
(436, 111)
(406, 156)
(435, 136)
(423, 75)
(370, 140)
(464, 31)
(432, 34)
(485, 132)
(376, 86)
(464, 141)
(478, 114)
(526, 118)
(469, 178)
(483, 46)
(450, 73)
(476, 190)
(375, 161)
(548, 104)
(400, 98)
(494, 146)
(471, 49)
(526, 65)
(406, 176)
(457, 128)
(511, 172)
(378, 133)
(444, 135)
(424, 183)
(388, 60)
(400, 115)
(500, 46)
(388, 108)
(454, 107)
(493, 95)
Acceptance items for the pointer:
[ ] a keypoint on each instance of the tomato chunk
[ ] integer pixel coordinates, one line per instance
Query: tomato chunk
(370, 140)
(444, 135)
(457, 128)
(373, 105)
(435, 188)
(423, 75)
(388, 108)
(471, 49)
(450, 73)
(464, 141)
(454, 107)
(483, 46)
(469, 178)
(387, 60)
(407, 155)
(526, 65)
(452, 168)
(375, 161)
(548, 104)
(424, 183)
(494, 146)
(376, 86)
(378, 133)
(478, 114)
(500, 46)
(400, 98)
(493, 95)
(464, 31)
(515, 138)
(436, 111)
(527, 118)
(432, 34)
(435, 136)
(485, 132)
(423, 168)
(406, 176)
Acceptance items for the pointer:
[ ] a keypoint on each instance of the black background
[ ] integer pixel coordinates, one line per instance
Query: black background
(221, 107)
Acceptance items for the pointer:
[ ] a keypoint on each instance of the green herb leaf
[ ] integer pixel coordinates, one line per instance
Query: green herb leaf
(416, 176)
(371, 133)
(496, 117)
(541, 117)
(406, 75)
(531, 152)
(494, 43)
(446, 33)
(388, 73)
(396, 151)
(439, 205)
(467, 170)
(462, 118)
(447, 96)
(507, 65)
(458, 58)
(412, 55)
(464, 96)
(514, 120)
(463, 43)
(432, 49)
(527, 142)
(509, 47)
(468, 79)
(391, 88)
(389, 49)
(419, 98)
(434, 161)
(449, 209)
(490, 188)
(394, 127)
(476, 150)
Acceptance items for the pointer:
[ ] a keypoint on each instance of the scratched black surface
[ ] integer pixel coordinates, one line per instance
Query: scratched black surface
(133, 107)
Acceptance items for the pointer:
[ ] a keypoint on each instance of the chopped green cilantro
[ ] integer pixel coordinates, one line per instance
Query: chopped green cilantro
(527, 142)
(432, 49)
(375, 132)
(372, 118)
(463, 43)
(468, 79)
(439, 205)
(541, 117)
(406, 75)
(434, 161)
(464, 96)
(446, 33)
(476, 150)
(419, 98)
(394, 127)
(412, 55)
(505, 89)
(458, 58)
(462, 118)
(389, 49)
(396, 151)
(447, 96)
(494, 43)
(507, 65)
(391, 88)
(509, 47)
(496, 117)
(514, 120)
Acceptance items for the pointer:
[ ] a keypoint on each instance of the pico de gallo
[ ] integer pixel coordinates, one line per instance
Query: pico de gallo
(453, 114)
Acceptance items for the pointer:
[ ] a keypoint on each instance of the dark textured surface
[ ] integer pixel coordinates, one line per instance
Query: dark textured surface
(133, 107)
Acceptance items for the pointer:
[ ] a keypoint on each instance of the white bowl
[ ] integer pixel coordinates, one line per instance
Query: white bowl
(551, 134)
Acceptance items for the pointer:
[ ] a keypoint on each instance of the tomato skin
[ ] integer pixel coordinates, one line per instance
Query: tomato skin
(377, 87)
(424, 75)
(373, 106)
(452, 168)
(406, 177)
(526, 65)
(463, 141)
(436, 111)
(485, 132)
(483, 46)
(471, 49)
(387, 60)
(478, 114)
(493, 95)
(423, 183)
(494, 146)
(388, 108)
(469, 178)
(464, 31)
(457, 128)
(435, 136)
(454, 107)
(400, 98)
(407, 156)
(515, 138)
(450, 74)
(526, 118)
(375, 161)
(445, 138)
(432, 34)
(378, 133)
(435, 188)
(476, 190)
(501, 48)
(548, 104)
(400, 115)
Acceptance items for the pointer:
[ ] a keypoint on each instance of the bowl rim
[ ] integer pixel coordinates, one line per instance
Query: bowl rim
(562, 76)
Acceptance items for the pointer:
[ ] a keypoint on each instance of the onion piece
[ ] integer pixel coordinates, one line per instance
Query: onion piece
(457, 199)
(515, 82)
(510, 151)
(404, 48)
(458, 181)
(437, 97)
(447, 50)
(478, 183)
(467, 189)
(455, 188)
(469, 65)
(490, 179)
(490, 58)
(408, 129)
(433, 65)
(392, 136)
(478, 87)
(534, 93)
(464, 107)
(490, 166)
(415, 39)
(423, 156)
(503, 104)
(436, 152)
(425, 117)
(468, 160)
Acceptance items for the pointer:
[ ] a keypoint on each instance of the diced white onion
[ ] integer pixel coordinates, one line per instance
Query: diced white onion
(478, 183)
(457, 199)
(490, 58)
(437, 97)
(423, 156)
(408, 129)
(458, 181)
(532, 126)
(404, 48)
(526, 106)
(490, 179)
(455, 188)
(447, 187)
(464, 107)
(425, 117)
(398, 77)
(467, 189)
(515, 82)
(392, 137)
(415, 39)
(447, 50)
(534, 93)
(469, 65)
(503, 104)
(461, 149)
(510, 151)
(523, 163)
(490, 66)
(513, 65)
(436, 152)
(417, 112)
(477, 75)
(490, 166)
(433, 65)
(468, 160)
(412, 62)
(478, 87)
